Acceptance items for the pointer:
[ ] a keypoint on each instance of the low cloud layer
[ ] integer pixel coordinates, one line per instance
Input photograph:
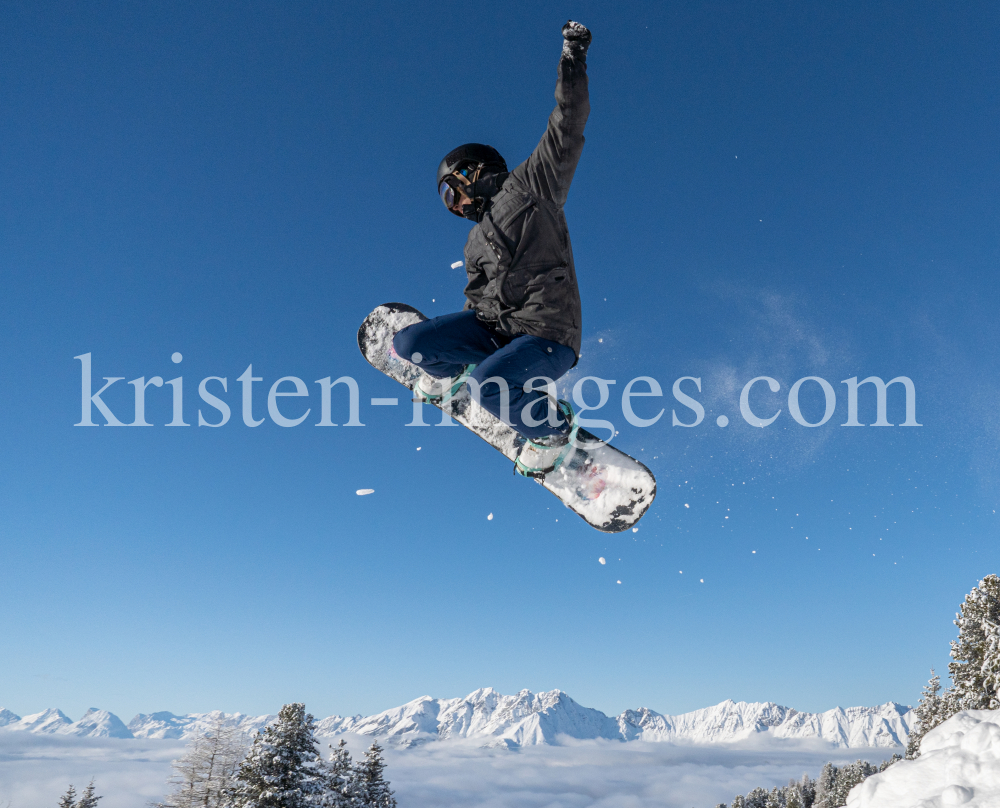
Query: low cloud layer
(35, 771)
(602, 774)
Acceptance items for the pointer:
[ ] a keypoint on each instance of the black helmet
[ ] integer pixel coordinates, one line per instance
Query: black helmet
(484, 170)
(471, 154)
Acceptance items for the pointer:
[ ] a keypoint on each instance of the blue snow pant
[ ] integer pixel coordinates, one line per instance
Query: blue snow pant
(442, 346)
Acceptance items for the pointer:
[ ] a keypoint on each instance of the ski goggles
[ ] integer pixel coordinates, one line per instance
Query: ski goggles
(449, 187)
(447, 193)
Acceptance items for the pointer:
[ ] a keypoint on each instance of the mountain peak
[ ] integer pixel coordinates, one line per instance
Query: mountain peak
(523, 719)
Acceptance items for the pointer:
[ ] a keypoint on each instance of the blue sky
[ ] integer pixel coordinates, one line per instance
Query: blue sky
(781, 190)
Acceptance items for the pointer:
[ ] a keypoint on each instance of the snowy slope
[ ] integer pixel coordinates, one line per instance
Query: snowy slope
(885, 725)
(94, 724)
(168, 725)
(97, 724)
(524, 719)
(528, 719)
(959, 764)
(47, 721)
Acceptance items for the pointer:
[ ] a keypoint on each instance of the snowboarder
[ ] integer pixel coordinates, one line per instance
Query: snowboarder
(520, 329)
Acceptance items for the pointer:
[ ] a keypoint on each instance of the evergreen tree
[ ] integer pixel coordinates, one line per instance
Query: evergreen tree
(68, 799)
(826, 785)
(372, 787)
(807, 791)
(848, 778)
(341, 779)
(282, 768)
(991, 664)
(885, 764)
(804, 790)
(206, 772)
(830, 790)
(974, 671)
(88, 799)
(924, 713)
(932, 710)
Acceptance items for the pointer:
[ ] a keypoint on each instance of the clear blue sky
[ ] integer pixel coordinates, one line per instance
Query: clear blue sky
(778, 189)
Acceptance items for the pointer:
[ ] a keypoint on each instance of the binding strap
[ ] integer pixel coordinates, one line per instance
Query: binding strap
(441, 399)
(566, 409)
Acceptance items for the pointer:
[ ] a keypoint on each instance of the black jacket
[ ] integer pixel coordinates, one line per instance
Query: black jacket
(518, 257)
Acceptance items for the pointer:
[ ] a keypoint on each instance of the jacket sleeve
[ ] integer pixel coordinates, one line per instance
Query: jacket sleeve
(549, 171)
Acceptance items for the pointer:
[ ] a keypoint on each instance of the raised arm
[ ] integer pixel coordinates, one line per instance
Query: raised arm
(549, 171)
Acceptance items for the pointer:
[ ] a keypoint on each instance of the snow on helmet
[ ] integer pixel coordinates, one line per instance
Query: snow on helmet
(470, 154)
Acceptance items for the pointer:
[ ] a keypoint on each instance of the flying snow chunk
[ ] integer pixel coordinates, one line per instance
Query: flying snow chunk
(457, 264)
(602, 560)
(686, 505)
(619, 582)
(490, 517)
(363, 492)
(635, 530)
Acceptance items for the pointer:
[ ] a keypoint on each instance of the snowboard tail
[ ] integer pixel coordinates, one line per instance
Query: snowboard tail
(604, 486)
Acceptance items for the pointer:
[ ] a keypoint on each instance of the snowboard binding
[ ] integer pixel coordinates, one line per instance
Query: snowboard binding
(544, 455)
(439, 392)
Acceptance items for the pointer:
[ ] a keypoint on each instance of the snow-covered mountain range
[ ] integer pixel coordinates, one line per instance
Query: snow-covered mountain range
(524, 719)
(95, 723)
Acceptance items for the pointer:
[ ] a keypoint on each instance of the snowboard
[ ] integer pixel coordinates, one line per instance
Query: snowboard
(603, 485)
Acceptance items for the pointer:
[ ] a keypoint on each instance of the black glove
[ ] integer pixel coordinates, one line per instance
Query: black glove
(577, 39)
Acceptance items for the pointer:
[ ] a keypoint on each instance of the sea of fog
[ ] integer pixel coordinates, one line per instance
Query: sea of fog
(36, 769)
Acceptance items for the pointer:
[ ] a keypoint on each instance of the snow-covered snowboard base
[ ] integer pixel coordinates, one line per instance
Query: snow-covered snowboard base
(606, 487)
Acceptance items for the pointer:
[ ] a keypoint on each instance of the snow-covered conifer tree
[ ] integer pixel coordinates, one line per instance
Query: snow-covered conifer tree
(826, 785)
(775, 799)
(738, 802)
(372, 787)
(204, 775)
(68, 800)
(975, 668)
(991, 664)
(807, 791)
(282, 768)
(341, 779)
(932, 710)
(88, 799)
(847, 778)
(756, 798)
